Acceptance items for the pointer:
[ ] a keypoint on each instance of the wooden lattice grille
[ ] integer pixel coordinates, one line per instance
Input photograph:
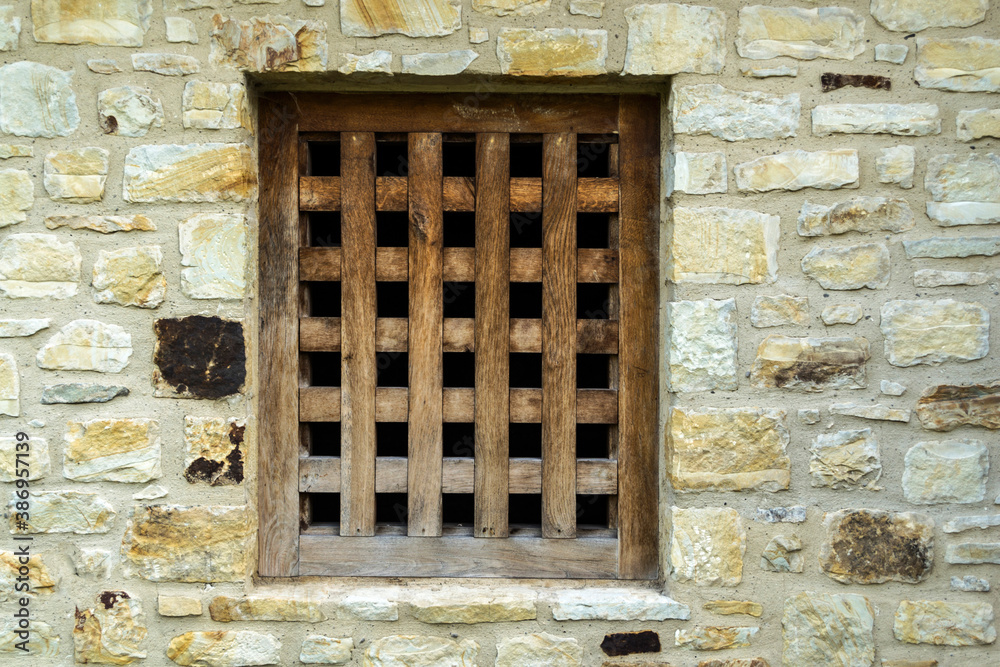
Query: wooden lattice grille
(363, 369)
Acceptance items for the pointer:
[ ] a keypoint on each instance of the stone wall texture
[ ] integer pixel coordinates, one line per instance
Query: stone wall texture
(830, 393)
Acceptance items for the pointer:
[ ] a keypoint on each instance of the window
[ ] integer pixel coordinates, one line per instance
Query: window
(458, 335)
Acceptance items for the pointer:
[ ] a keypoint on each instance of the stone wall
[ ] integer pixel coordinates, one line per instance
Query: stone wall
(833, 177)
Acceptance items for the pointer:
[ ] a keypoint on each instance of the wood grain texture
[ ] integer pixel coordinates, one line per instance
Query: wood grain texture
(559, 336)
(614, 310)
(492, 335)
(358, 308)
(278, 435)
(638, 219)
(426, 315)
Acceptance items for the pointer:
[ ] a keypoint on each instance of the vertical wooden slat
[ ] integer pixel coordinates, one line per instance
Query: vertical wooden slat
(492, 412)
(614, 301)
(426, 311)
(278, 498)
(559, 336)
(358, 372)
(639, 209)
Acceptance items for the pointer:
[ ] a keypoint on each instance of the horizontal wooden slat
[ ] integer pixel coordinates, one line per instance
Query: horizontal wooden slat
(514, 557)
(322, 334)
(594, 195)
(321, 474)
(458, 137)
(594, 265)
(594, 406)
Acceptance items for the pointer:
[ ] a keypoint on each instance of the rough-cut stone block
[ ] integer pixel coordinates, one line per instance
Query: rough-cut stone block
(214, 247)
(734, 115)
(128, 111)
(165, 64)
(371, 18)
(947, 471)
(723, 245)
(707, 546)
(945, 407)
(180, 31)
(224, 609)
(890, 388)
(591, 8)
(103, 66)
(37, 101)
(953, 214)
(755, 72)
(891, 53)
(44, 641)
(702, 353)
(841, 313)
(970, 584)
(795, 514)
(908, 120)
(199, 357)
(111, 632)
(39, 265)
(845, 460)
(552, 52)
(112, 450)
(978, 123)
(76, 176)
(783, 554)
(422, 650)
(320, 650)
(215, 106)
(224, 649)
(731, 607)
(511, 7)
(18, 569)
(823, 630)
(779, 310)
(811, 364)
(916, 15)
(728, 662)
(130, 277)
(728, 449)
(610, 604)
(867, 411)
(204, 543)
(64, 512)
(940, 247)
(962, 64)
(10, 31)
(672, 38)
(10, 386)
(794, 170)
(849, 267)
(93, 564)
(973, 553)
(895, 165)
(478, 35)
(34, 452)
(105, 224)
(858, 214)
(538, 649)
(377, 61)
(17, 195)
(700, 173)
(944, 623)
(874, 546)
(827, 32)
(370, 605)
(192, 173)
(953, 178)
(215, 450)
(110, 23)
(178, 605)
(269, 44)
(87, 345)
(931, 332)
(714, 637)
(470, 606)
(438, 64)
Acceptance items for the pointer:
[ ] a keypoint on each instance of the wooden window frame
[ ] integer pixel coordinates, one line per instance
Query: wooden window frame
(282, 474)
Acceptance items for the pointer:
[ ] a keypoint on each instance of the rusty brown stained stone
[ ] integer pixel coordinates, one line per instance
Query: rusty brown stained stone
(199, 357)
(831, 81)
(868, 546)
(810, 364)
(627, 643)
(945, 407)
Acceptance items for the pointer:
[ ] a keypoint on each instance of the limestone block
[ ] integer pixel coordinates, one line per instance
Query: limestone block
(794, 170)
(215, 106)
(849, 267)
(552, 52)
(895, 165)
(723, 245)
(728, 449)
(734, 115)
(953, 178)
(728, 662)
(947, 471)
(609, 604)
(8, 151)
(539, 649)
(103, 66)
(783, 554)
(890, 388)
(370, 605)
(909, 120)
(37, 101)
(130, 277)
(846, 460)
(714, 637)
(841, 313)
(953, 214)
(945, 407)
(672, 38)
(811, 364)
(204, 543)
(809, 416)
(224, 609)
(215, 648)
(35, 573)
(320, 650)
(178, 605)
(703, 346)
(707, 546)
(113, 23)
(867, 411)
(44, 639)
(112, 450)
(824, 630)
(17, 195)
(973, 553)
(377, 61)
(214, 247)
(591, 8)
(978, 123)
(199, 357)
(371, 18)
(196, 173)
(421, 651)
(39, 265)
(891, 53)
(10, 30)
(916, 15)
(472, 606)
(215, 450)
(64, 512)
(731, 607)
(438, 64)
(128, 111)
(92, 564)
(858, 214)
(105, 224)
(700, 173)
(271, 44)
(931, 332)
(10, 386)
(477, 35)
(87, 345)
(755, 72)
(944, 623)
(76, 176)
(826, 32)
(511, 7)
(165, 64)
(970, 584)
(110, 632)
(779, 310)
(939, 247)
(180, 30)
(874, 546)
(962, 64)
(795, 514)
